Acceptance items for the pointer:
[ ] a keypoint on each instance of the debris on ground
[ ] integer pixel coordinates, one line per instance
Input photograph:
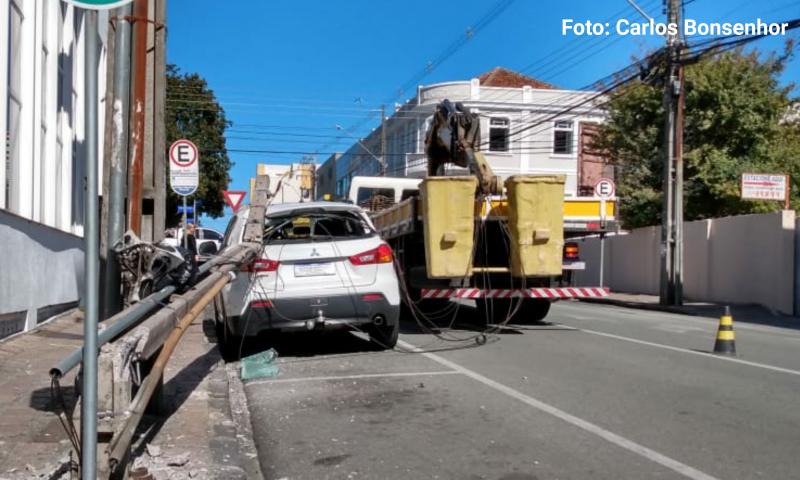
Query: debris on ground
(260, 365)
(153, 450)
(172, 467)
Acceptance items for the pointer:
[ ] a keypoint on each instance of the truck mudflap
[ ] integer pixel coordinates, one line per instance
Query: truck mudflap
(546, 293)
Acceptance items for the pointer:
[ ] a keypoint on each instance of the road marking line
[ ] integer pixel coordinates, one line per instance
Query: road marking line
(693, 352)
(353, 377)
(609, 436)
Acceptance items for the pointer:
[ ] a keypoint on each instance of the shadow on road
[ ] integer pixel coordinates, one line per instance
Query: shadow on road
(309, 344)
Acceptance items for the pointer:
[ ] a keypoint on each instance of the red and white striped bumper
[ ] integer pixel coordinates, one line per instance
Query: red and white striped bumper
(569, 292)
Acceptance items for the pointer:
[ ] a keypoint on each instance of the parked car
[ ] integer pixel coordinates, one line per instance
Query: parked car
(323, 266)
(209, 241)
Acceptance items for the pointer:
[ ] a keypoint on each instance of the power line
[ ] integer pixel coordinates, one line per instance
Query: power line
(485, 20)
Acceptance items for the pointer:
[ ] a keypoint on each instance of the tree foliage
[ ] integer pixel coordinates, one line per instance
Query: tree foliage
(194, 113)
(734, 122)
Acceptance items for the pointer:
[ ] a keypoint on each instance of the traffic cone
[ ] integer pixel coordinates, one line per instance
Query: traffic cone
(726, 337)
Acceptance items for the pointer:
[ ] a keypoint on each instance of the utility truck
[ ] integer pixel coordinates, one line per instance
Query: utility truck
(504, 245)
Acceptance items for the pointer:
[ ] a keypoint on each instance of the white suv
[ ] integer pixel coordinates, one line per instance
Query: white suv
(322, 266)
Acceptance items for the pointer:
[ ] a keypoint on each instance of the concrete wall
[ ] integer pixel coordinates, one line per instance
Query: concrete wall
(742, 259)
(41, 272)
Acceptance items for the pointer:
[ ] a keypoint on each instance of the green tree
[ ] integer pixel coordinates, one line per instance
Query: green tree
(194, 113)
(733, 124)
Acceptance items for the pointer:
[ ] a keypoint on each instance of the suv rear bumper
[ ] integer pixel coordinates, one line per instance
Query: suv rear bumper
(314, 313)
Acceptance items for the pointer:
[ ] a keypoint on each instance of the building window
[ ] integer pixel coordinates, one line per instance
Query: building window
(562, 137)
(498, 135)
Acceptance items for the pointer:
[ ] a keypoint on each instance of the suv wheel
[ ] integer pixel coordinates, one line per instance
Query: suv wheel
(385, 336)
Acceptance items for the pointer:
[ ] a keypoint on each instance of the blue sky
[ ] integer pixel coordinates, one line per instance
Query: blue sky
(304, 66)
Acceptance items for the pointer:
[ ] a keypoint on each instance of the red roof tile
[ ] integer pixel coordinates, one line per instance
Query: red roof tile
(502, 77)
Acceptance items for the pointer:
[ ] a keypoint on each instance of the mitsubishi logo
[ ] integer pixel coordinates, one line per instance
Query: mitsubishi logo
(314, 252)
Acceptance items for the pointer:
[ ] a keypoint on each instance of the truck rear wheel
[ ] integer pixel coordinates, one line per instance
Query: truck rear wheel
(497, 310)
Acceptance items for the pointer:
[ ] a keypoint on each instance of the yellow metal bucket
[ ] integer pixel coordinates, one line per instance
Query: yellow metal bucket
(536, 224)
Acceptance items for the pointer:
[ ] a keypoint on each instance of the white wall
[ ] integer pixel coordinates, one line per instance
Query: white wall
(47, 175)
(47, 266)
(741, 259)
(40, 224)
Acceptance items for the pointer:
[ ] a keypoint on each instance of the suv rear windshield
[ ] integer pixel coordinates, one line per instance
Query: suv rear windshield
(315, 225)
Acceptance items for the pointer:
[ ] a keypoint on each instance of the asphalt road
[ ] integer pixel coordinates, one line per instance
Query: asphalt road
(601, 392)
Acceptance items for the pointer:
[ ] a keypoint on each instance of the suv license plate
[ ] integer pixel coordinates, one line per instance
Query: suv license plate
(314, 269)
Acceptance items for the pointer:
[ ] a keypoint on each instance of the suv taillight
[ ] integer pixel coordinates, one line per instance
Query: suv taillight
(571, 251)
(262, 265)
(382, 254)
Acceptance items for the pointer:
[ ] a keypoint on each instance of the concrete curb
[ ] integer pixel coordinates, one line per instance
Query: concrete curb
(231, 441)
(645, 306)
(222, 435)
(241, 418)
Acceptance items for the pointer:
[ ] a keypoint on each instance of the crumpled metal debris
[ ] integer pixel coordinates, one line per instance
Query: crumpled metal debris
(148, 267)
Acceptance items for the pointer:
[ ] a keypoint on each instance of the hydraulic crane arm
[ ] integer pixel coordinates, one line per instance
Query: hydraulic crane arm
(453, 137)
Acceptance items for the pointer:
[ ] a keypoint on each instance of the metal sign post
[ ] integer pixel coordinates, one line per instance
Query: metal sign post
(91, 238)
(184, 174)
(91, 260)
(605, 189)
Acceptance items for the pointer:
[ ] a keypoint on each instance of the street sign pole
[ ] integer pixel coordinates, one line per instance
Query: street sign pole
(91, 237)
(605, 189)
(185, 225)
(602, 241)
(91, 258)
(184, 175)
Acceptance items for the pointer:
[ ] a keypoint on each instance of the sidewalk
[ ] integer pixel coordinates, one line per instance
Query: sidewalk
(741, 313)
(32, 441)
(196, 435)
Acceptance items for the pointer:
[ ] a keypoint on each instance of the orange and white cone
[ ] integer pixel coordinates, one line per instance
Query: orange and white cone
(726, 336)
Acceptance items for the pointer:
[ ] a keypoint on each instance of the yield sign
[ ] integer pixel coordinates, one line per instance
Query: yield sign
(234, 198)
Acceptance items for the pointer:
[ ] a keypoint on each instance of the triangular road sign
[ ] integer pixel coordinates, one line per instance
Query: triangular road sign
(234, 198)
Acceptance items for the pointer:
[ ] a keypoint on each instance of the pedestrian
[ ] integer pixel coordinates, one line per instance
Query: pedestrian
(190, 242)
(189, 249)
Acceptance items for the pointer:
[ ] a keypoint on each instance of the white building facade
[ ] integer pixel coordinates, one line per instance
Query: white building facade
(42, 110)
(42, 176)
(525, 128)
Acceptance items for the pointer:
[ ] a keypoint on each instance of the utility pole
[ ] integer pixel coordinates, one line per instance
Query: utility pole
(140, 12)
(672, 195)
(117, 185)
(383, 140)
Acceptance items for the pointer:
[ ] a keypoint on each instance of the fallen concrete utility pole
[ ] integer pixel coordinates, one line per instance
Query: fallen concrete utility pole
(153, 331)
(161, 333)
(121, 443)
(158, 333)
(125, 320)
